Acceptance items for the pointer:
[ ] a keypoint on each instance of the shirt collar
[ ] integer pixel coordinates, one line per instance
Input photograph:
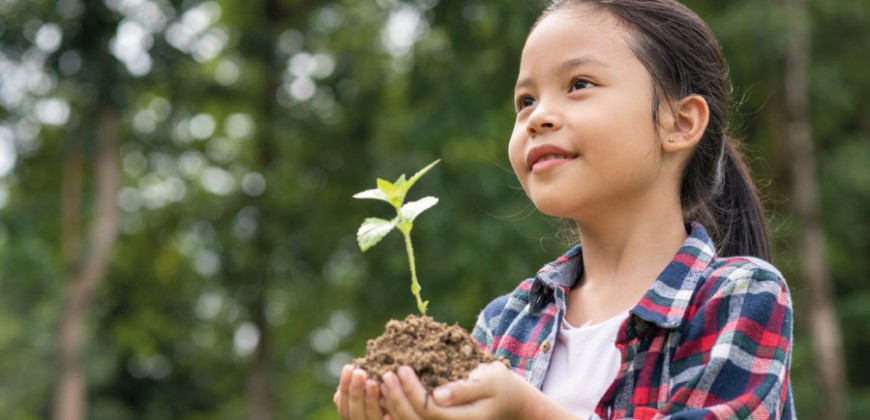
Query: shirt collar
(560, 274)
(664, 304)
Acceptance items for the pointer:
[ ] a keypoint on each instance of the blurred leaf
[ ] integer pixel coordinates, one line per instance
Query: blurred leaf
(388, 188)
(411, 210)
(410, 183)
(372, 231)
(373, 194)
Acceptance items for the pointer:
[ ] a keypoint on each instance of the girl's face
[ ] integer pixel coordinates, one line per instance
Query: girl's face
(584, 143)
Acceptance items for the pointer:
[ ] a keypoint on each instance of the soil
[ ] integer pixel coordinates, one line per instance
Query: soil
(438, 352)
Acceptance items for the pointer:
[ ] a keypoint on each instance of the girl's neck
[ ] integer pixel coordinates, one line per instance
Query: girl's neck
(620, 252)
(621, 260)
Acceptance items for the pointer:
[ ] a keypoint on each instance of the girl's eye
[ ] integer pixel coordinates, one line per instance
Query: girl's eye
(524, 101)
(579, 84)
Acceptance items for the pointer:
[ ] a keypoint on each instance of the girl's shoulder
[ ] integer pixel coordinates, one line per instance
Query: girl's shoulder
(743, 268)
(752, 279)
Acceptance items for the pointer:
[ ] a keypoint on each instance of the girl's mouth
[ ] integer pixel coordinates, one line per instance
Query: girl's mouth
(540, 158)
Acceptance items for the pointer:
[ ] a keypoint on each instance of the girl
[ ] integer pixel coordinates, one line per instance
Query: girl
(667, 309)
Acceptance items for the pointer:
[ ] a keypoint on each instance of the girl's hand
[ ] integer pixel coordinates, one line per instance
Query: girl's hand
(491, 391)
(357, 397)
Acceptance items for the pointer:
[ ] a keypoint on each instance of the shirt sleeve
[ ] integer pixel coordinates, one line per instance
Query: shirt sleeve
(735, 356)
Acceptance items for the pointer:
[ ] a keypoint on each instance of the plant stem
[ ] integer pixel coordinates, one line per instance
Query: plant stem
(415, 285)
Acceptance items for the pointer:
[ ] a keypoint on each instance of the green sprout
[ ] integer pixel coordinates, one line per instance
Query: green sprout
(374, 229)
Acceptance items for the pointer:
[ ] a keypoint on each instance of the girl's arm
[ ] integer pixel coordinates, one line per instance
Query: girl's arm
(491, 391)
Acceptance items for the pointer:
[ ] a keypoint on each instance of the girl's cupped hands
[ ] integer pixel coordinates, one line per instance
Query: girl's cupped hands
(491, 391)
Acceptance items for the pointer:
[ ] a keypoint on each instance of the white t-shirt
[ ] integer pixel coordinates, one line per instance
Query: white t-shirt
(584, 363)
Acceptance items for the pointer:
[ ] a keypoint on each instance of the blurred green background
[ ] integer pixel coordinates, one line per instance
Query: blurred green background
(176, 182)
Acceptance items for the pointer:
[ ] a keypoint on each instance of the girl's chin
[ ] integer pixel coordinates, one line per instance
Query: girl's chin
(554, 208)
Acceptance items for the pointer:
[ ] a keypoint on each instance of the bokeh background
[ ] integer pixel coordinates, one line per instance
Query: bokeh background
(177, 233)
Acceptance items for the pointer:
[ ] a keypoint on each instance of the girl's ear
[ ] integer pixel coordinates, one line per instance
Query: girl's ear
(688, 121)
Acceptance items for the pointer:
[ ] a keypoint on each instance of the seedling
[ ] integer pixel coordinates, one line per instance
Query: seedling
(374, 229)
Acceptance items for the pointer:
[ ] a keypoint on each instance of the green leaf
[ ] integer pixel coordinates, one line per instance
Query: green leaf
(373, 194)
(407, 185)
(372, 231)
(388, 188)
(411, 210)
(401, 182)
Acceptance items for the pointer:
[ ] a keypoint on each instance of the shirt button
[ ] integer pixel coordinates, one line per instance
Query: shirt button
(545, 346)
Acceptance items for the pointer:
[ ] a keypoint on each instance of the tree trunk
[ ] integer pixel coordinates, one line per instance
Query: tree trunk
(276, 15)
(87, 266)
(258, 375)
(824, 324)
(71, 203)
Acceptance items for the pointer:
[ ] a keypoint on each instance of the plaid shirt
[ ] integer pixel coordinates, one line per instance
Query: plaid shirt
(711, 339)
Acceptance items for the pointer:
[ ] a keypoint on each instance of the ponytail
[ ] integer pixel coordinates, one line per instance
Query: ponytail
(732, 212)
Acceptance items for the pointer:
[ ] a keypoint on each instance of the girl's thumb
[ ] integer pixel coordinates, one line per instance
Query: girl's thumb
(442, 395)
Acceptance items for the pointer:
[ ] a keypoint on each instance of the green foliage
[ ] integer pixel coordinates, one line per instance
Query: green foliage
(242, 143)
(373, 229)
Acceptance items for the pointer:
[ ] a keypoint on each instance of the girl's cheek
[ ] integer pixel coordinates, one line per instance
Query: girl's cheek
(516, 159)
(515, 148)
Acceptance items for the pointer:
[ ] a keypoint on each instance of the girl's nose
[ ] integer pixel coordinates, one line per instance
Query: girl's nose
(543, 120)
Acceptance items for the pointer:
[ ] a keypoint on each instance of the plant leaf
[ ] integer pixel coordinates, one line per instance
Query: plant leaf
(401, 182)
(373, 194)
(411, 210)
(407, 185)
(388, 188)
(372, 231)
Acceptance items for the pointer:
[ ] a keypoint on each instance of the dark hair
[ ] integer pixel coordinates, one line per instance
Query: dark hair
(683, 57)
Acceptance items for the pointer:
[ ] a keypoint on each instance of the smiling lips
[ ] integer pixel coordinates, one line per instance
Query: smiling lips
(545, 156)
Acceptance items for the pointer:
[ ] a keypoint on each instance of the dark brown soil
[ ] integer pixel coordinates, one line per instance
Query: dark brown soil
(439, 353)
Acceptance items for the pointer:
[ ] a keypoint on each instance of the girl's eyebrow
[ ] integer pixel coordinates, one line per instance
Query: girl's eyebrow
(569, 64)
(583, 60)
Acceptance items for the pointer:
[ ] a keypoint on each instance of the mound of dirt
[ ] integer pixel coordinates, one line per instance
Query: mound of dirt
(439, 353)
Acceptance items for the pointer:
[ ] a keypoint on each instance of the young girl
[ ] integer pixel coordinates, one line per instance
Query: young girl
(667, 309)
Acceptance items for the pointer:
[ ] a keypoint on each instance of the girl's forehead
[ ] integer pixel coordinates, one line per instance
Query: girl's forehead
(578, 30)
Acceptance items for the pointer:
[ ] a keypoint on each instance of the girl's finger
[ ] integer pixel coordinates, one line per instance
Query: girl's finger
(398, 405)
(459, 393)
(344, 391)
(476, 387)
(414, 390)
(373, 396)
(357, 405)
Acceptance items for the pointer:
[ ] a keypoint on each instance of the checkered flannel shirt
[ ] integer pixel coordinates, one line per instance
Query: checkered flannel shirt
(711, 339)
